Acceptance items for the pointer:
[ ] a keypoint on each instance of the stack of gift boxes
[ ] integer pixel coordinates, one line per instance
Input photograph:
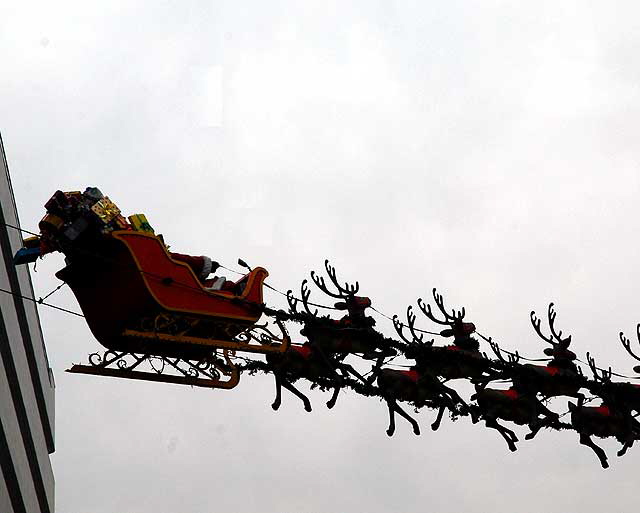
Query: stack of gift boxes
(70, 214)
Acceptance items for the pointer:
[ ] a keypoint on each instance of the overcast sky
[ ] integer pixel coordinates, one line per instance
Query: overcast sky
(489, 149)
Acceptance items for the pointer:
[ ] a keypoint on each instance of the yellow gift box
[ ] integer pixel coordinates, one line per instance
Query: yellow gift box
(140, 223)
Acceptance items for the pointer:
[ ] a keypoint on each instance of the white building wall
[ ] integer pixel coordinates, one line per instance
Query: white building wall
(26, 382)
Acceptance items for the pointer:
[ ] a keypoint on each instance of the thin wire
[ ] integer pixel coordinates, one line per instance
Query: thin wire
(39, 302)
(52, 292)
(21, 229)
(230, 270)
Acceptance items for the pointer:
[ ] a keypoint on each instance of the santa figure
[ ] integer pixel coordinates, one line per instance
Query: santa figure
(203, 266)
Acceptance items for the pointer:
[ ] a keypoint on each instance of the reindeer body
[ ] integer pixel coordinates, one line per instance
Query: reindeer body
(307, 362)
(508, 405)
(550, 380)
(343, 337)
(409, 385)
(627, 394)
(521, 407)
(453, 362)
(604, 421)
(419, 388)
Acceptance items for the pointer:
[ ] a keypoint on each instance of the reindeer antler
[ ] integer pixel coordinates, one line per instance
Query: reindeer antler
(604, 376)
(448, 318)
(411, 320)
(343, 292)
(626, 343)
(293, 302)
(305, 292)
(512, 359)
(557, 335)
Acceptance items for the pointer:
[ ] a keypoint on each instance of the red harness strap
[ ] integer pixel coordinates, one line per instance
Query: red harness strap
(411, 374)
(304, 350)
(551, 370)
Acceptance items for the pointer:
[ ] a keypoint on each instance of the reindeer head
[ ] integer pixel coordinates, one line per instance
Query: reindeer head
(626, 343)
(459, 330)
(354, 305)
(559, 349)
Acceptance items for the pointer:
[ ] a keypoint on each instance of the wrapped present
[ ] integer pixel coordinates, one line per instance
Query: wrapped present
(140, 223)
(26, 256)
(62, 202)
(93, 193)
(31, 242)
(105, 209)
(120, 223)
(50, 223)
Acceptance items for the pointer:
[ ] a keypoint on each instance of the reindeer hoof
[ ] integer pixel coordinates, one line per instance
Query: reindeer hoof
(513, 448)
(434, 427)
(330, 405)
(275, 406)
(307, 407)
(604, 464)
(529, 436)
(390, 432)
(416, 430)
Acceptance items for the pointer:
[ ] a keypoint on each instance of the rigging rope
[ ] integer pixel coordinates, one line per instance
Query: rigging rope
(41, 302)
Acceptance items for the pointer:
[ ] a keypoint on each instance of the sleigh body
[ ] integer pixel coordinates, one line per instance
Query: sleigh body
(136, 298)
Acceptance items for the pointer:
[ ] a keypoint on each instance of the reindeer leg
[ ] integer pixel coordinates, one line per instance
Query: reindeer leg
(393, 408)
(278, 400)
(508, 435)
(416, 427)
(628, 444)
(436, 424)
(602, 456)
(534, 427)
(297, 393)
(332, 402)
(392, 418)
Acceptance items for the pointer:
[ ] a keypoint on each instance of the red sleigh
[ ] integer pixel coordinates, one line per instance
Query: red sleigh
(136, 298)
(145, 307)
